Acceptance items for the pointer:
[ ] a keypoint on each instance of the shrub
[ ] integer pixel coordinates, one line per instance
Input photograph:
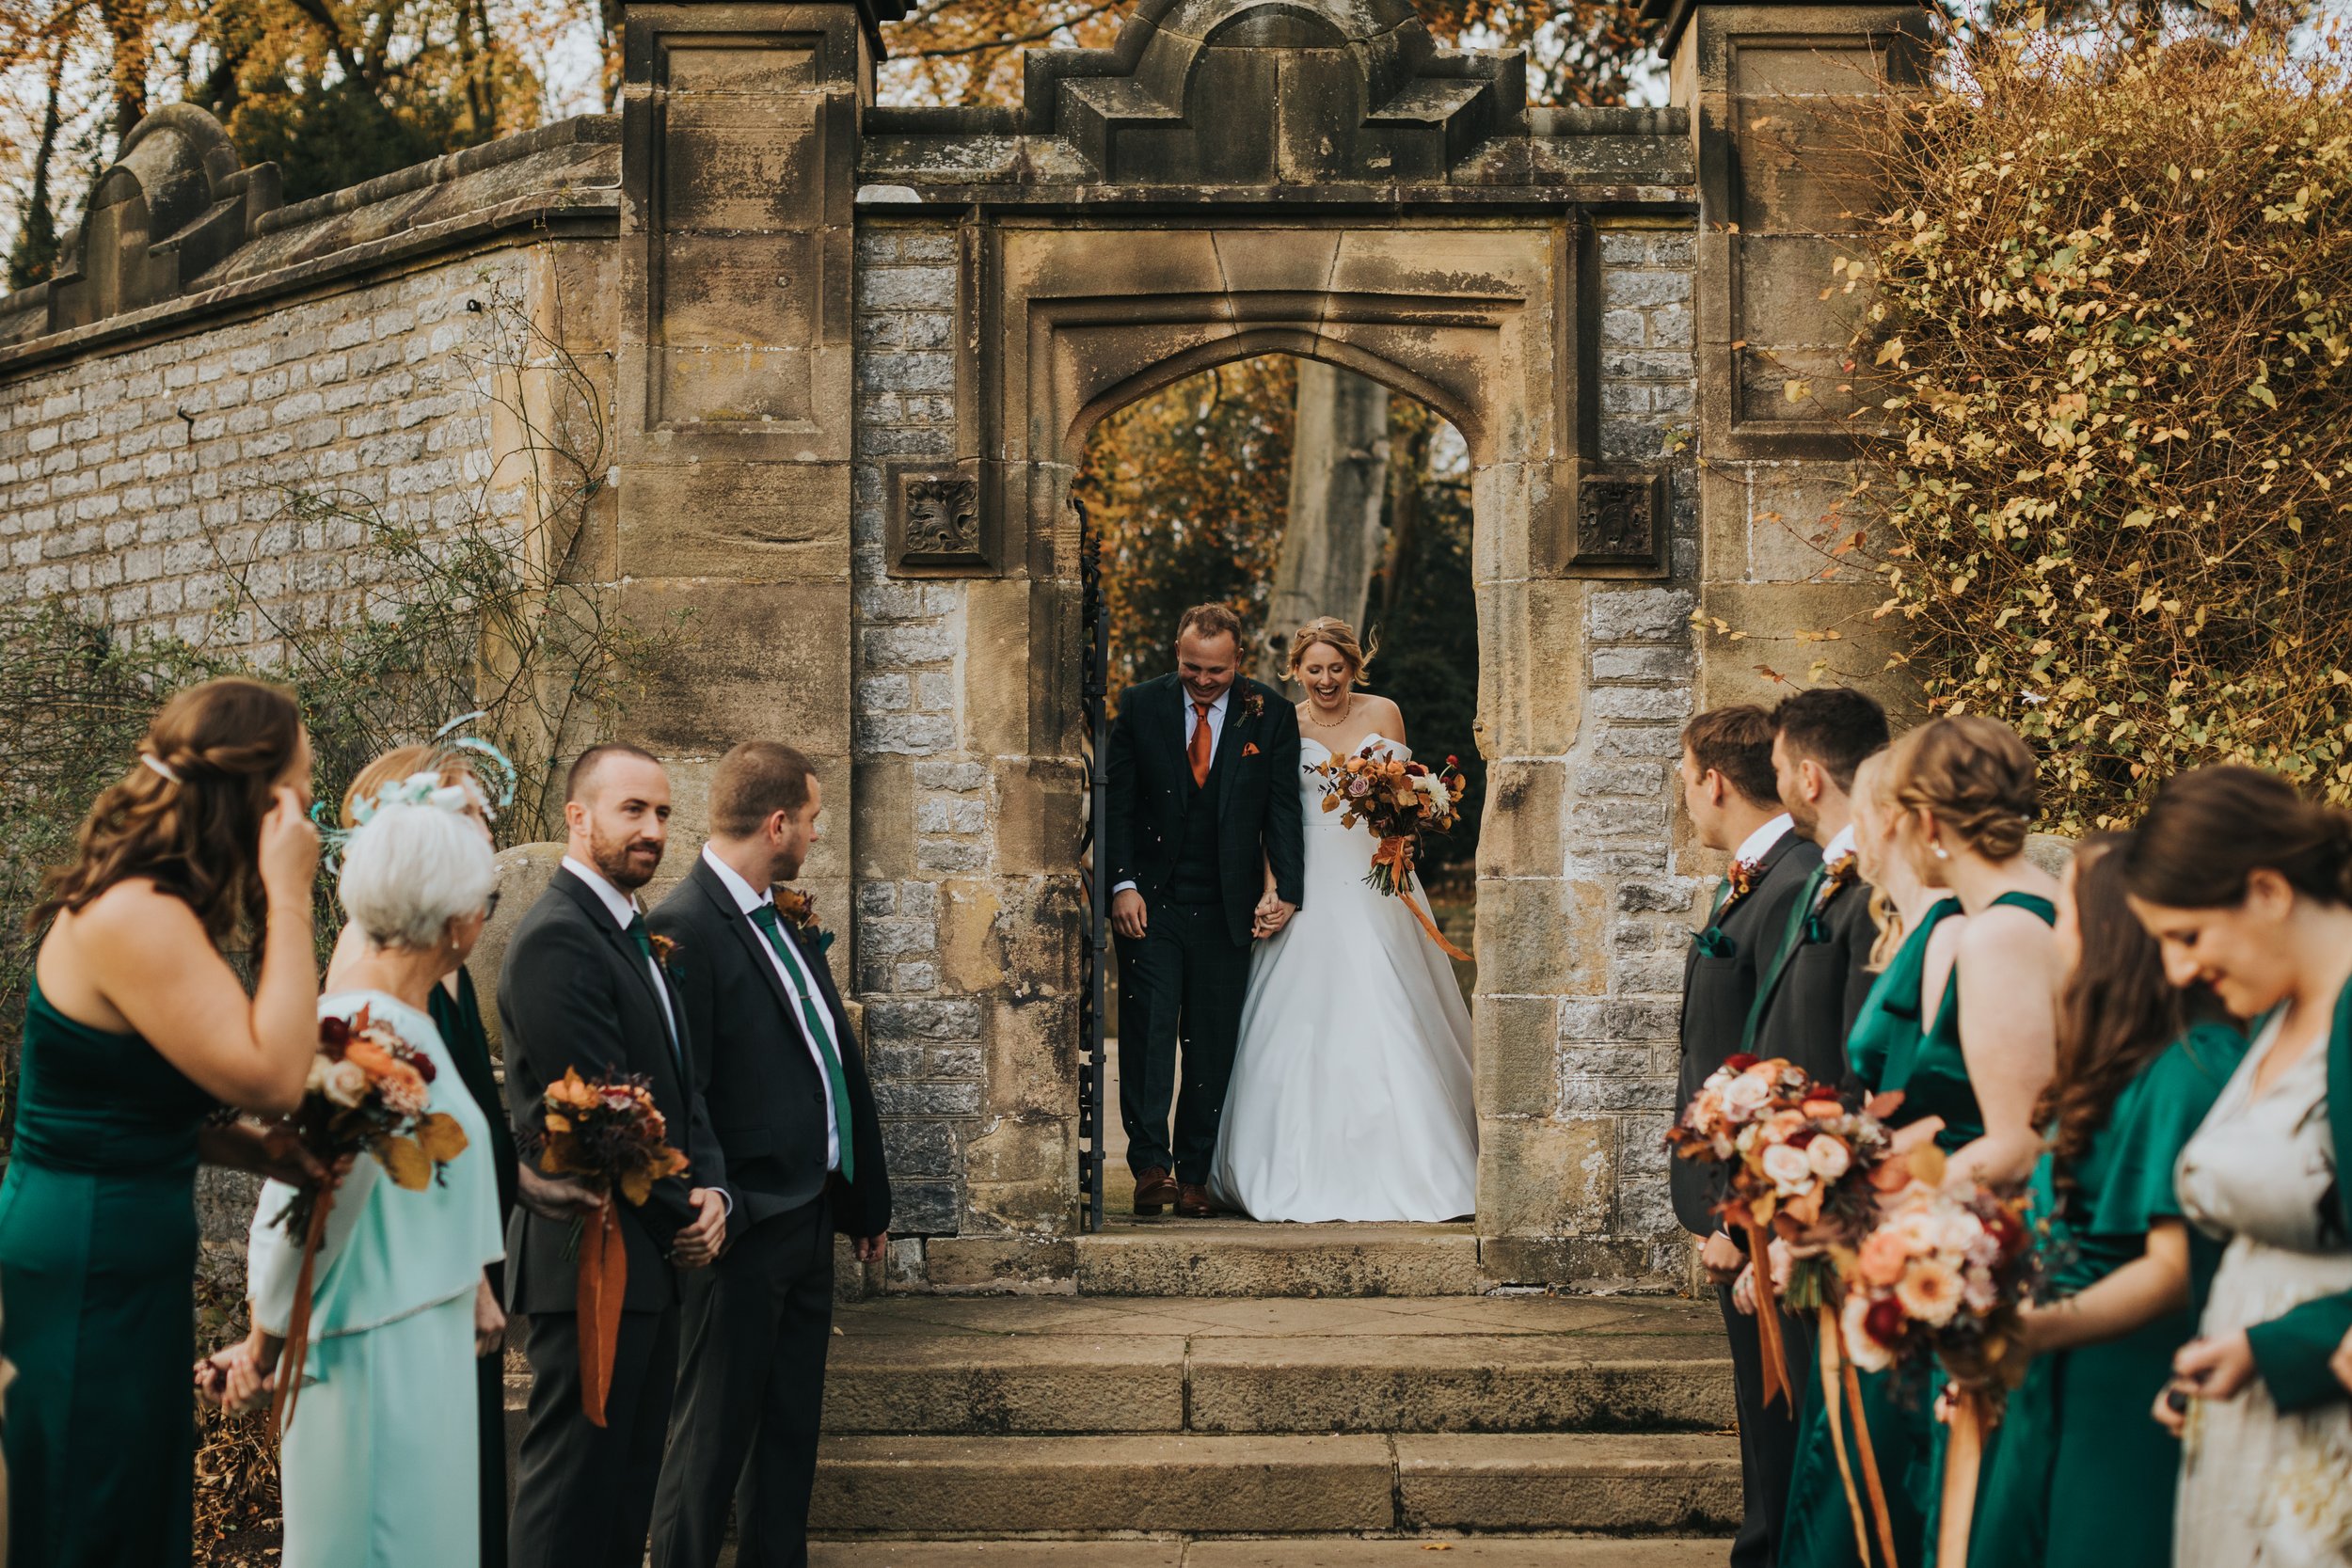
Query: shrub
(2114, 306)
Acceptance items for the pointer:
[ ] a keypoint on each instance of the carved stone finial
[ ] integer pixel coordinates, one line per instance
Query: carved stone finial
(935, 521)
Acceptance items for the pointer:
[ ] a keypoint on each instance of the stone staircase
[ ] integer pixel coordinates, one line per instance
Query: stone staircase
(1221, 1396)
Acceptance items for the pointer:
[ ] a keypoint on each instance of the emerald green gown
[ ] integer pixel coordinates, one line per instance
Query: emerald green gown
(98, 1243)
(1884, 1050)
(2081, 1476)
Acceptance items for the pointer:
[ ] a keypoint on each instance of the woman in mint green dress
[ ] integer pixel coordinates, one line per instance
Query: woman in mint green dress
(2080, 1477)
(1949, 803)
(381, 1448)
(135, 1030)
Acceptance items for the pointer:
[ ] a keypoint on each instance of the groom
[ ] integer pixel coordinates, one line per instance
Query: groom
(1203, 771)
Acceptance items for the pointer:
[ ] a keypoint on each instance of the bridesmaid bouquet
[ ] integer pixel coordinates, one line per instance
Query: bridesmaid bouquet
(367, 1093)
(1800, 1165)
(609, 1132)
(1399, 801)
(1944, 1275)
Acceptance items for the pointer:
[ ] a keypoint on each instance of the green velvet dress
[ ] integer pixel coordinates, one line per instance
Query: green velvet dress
(98, 1241)
(2081, 1476)
(1883, 1050)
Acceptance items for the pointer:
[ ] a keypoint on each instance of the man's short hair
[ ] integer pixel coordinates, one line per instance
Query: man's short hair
(584, 768)
(1210, 620)
(1832, 725)
(756, 781)
(1736, 742)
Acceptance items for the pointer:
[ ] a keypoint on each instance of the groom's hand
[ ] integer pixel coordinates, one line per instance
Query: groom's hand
(1127, 913)
(702, 1241)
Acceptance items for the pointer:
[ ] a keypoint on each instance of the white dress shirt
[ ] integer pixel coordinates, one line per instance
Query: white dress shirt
(622, 908)
(1842, 844)
(747, 898)
(1192, 722)
(1758, 844)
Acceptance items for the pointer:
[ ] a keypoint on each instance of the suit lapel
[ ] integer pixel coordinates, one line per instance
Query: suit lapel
(1230, 741)
(1168, 725)
(746, 934)
(632, 959)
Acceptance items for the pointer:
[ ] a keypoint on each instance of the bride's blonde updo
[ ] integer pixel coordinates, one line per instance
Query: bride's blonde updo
(1336, 633)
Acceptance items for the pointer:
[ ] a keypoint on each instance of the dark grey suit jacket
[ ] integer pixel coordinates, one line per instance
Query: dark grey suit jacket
(1718, 989)
(752, 1064)
(576, 992)
(1255, 786)
(1812, 1000)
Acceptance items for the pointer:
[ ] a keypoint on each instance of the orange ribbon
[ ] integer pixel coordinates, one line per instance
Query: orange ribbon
(1398, 853)
(1962, 1458)
(603, 1281)
(1839, 1375)
(1768, 1317)
(297, 1346)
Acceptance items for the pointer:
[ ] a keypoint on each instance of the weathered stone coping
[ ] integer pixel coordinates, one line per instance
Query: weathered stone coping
(563, 176)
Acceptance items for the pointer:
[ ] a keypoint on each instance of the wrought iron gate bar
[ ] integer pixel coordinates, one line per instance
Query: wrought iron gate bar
(1091, 840)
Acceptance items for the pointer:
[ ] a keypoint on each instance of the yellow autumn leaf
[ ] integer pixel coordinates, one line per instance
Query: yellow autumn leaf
(404, 1163)
(637, 1185)
(1889, 352)
(441, 1138)
(1796, 391)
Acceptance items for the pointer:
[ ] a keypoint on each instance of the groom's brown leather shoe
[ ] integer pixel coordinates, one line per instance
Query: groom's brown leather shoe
(1154, 1190)
(1192, 1202)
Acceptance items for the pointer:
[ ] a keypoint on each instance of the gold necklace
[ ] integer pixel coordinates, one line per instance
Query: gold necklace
(1334, 724)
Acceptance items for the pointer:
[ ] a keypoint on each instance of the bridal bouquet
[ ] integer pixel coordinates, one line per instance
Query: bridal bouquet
(1944, 1275)
(1399, 801)
(608, 1130)
(367, 1093)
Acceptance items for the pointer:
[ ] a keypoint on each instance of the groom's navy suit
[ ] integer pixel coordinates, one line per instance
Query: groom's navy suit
(1196, 853)
(576, 992)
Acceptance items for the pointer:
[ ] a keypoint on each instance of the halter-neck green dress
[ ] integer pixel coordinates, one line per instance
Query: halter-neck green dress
(2081, 1477)
(1886, 1048)
(98, 1241)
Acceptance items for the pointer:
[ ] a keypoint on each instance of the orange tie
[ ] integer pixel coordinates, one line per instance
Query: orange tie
(1200, 749)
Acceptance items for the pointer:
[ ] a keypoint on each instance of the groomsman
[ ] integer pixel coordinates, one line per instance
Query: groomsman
(775, 1061)
(1814, 986)
(582, 987)
(1729, 791)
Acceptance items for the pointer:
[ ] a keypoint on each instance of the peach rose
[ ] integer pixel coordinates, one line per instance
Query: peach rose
(1929, 1292)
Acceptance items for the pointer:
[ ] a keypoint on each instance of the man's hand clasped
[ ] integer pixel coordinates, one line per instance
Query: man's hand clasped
(1271, 916)
(700, 1244)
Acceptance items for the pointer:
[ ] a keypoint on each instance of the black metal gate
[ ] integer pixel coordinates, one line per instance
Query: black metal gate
(1091, 1023)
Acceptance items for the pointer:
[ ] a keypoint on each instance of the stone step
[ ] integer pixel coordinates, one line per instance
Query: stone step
(1238, 1258)
(1041, 1365)
(1292, 1551)
(1273, 1485)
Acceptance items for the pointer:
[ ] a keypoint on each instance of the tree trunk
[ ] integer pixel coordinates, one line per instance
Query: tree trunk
(126, 27)
(1339, 481)
(34, 257)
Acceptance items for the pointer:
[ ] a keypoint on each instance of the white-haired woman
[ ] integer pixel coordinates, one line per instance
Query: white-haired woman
(384, 1434)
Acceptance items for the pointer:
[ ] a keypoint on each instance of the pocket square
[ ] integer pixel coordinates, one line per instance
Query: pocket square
(1250, 749)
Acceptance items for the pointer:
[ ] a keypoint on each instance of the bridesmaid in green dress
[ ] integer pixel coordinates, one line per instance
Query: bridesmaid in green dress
(2080, 1477)
(1957, 794)
(136, 1029)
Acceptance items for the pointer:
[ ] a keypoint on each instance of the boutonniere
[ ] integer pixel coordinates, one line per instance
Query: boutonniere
(663, 948)
(1252, 706)
(799, 912)
(1738, 884)
(1250, 749)
(1835, 876)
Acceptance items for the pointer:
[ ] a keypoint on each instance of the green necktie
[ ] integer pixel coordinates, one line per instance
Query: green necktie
(644, 939)
(1788, 940)
(1722, 891)
(765, 918)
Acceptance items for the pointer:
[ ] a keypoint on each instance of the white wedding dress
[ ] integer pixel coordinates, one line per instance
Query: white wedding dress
(1350, 1098)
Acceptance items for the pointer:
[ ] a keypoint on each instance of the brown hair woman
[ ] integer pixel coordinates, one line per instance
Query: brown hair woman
(2079, 1479)
(137, 1028)
(2246, 888)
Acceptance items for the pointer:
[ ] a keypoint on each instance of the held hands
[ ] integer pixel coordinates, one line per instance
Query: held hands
(700, 1242)
(1721, 1258)
(236, 1377)
(1272, 915)
(869, 1248)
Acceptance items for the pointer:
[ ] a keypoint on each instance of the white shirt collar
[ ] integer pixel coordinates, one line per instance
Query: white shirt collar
(1758, 844)
(623, 907)
(1217, 709)
(1840, 845)
(747, 897)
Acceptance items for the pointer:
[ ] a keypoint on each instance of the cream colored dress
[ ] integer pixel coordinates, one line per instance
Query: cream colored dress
(2259, 1489)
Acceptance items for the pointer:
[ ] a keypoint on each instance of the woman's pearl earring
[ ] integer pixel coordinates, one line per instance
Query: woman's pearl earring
(1940, 853)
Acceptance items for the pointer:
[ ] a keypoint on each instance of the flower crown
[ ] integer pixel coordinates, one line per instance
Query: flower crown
(487, 768)
(416, 789)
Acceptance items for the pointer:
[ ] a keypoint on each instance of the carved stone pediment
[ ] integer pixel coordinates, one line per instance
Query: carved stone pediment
(1218, 92)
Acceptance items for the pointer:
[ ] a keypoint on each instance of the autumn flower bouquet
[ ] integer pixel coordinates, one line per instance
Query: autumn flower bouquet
(1943, 1275)
(609, 1131)
(369, 1092)
(1399, 801)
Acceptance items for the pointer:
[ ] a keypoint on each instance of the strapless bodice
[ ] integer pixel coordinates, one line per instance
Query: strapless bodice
(88, 1099)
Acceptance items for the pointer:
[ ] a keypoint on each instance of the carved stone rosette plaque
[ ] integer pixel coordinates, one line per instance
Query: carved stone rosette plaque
(1620, 519)
(934, 521)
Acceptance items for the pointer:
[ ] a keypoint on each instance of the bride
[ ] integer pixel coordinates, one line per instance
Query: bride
(1351, 1088)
